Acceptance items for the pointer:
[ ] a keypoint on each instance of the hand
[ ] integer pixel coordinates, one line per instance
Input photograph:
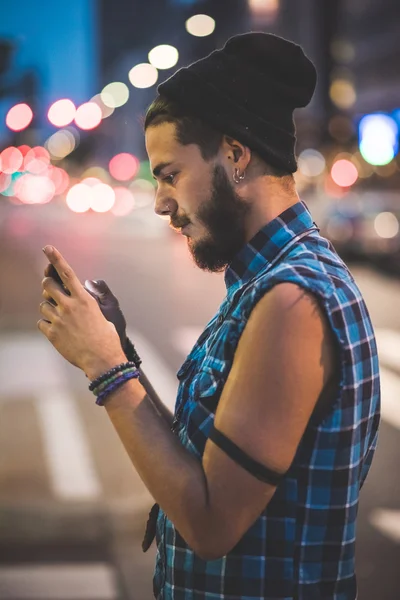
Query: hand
(74, 324)
(108, 305)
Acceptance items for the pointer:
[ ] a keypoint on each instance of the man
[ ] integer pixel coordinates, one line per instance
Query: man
(278, 405)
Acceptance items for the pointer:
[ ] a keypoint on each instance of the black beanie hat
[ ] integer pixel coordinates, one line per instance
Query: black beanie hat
(249, 90)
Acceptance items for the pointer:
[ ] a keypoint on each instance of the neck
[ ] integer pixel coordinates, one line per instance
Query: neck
(268, 197)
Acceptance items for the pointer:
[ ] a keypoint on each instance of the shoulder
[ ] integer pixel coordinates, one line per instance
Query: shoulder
(287, 305)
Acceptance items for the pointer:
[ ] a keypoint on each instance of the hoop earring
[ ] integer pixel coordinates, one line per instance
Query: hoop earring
(238, 176)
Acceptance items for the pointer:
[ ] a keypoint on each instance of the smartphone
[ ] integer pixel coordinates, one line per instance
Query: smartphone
(51, 272)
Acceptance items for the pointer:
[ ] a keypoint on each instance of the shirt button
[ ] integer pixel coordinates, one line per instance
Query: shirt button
(220, 319)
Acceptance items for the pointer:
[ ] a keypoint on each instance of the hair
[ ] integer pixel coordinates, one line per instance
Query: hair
(193, 130)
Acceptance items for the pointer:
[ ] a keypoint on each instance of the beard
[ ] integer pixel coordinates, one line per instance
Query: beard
(224, 218)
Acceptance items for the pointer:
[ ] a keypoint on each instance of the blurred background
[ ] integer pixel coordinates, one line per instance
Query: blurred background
(75, 81)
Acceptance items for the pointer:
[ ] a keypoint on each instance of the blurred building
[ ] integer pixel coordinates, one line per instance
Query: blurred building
(371, 32)
(49, 52)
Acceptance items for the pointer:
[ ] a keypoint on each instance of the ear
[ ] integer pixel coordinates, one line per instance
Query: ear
(236, 154)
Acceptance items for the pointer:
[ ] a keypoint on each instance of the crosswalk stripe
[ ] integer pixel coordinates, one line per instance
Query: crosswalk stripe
(159, 374)
(95, 581)
(185, 338)
(68, 456)
(390, 388)
(388, 342)
(387, 522)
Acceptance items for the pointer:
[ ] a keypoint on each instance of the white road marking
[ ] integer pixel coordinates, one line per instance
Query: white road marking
(68, 456)
(95, 581)
(390, 388)
(30, 366)
(159, 374)
(185, 338)
(387, 522)
(388, 342)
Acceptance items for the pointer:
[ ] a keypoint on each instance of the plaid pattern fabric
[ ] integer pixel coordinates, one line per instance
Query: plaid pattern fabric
(302, 546)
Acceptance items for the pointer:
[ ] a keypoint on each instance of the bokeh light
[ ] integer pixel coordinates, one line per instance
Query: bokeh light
(91, 181)
(124, 202)
(106, 111)
(386, 170)
(11, 160)
(143, 75)
(24, 149)
(34, 189)
(60, 144)
(342, 51)
(344, 173)
(9, 191)
(343, 93)
(163, 57)
(378, 138)
(62, 112)
(102, 198)
(19, 117)
(311, 163)
(98, 173)
(88, 116)
(60, 178)
(200, 25)
(386, 225)
(79, 198)
(37, 160)
(5, 181)
(124, 166)
(143, 192)
(264, 8)
(115, 94)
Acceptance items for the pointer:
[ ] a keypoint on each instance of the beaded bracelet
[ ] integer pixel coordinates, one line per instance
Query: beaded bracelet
(108, 374)
(113, 386)
(107, 382)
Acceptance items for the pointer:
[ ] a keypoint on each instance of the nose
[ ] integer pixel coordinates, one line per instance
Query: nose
(164, 205)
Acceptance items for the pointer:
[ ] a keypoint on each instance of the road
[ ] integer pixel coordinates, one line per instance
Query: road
(72, 508)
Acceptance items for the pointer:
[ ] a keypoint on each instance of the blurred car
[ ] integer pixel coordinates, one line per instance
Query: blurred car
(365, 226)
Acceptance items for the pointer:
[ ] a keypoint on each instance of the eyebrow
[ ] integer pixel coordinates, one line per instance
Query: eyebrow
(157, 170)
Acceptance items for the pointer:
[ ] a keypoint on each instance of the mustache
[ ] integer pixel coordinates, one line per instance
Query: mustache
(179, 223)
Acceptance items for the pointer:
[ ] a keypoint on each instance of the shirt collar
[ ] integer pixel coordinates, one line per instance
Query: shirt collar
(266, 244)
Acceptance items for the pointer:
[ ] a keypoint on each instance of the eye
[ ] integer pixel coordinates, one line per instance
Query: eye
(169, 178)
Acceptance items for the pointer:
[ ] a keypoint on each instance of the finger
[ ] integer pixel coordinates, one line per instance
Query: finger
(47, 297)
(50, 271)
(53, 290)
(44, 327)
(64, 270)
(48, 311)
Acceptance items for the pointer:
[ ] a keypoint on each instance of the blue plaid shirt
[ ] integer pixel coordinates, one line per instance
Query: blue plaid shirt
(303, 544)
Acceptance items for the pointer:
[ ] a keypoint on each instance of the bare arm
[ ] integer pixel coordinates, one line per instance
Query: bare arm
(283, 359)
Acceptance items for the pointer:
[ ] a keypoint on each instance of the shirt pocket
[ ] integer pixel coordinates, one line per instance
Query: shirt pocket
(207, 386)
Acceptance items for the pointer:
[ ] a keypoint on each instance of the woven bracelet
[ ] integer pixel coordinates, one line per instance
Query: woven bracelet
(113, 386)
(97, 390)
(109, 373)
